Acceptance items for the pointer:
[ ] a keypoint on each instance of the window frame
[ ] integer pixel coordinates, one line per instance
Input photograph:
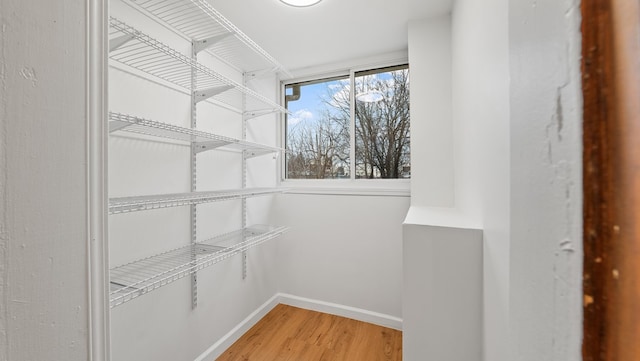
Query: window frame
(396, 187)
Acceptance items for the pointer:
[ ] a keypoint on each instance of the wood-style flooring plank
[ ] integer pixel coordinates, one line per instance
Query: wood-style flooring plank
(294, 334)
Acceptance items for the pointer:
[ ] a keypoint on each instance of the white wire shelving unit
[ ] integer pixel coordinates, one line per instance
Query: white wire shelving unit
(209, 30)
(203, 141)
(137, 278)
(145, 203)
(142, 55)
(139, 51)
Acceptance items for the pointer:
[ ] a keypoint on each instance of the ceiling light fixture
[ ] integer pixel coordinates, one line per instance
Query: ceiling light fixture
(300, 3)
(370, 96)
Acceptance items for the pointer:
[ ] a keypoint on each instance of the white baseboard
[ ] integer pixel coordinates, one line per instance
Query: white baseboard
(359, 314)
(342, 310)
(232, 336)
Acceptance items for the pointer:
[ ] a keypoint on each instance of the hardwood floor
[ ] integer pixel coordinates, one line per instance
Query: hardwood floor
(293, 334)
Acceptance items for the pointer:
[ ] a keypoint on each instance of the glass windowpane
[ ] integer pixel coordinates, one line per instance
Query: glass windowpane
(382, 124)
(318, 129)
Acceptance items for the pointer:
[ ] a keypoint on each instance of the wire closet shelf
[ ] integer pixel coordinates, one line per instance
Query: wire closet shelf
(198, 21)
(145, 203)
(139, 51)
(203, 141)
(137, 278)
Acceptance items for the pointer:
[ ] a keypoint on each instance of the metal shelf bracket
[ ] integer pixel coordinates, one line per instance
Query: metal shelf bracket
(204, 44)
(115, 43)
(205, 146)
(258, 113)
(208, 93)
(115, 125)
(259, 73)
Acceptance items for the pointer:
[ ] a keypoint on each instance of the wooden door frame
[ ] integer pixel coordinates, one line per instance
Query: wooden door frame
(611, 175)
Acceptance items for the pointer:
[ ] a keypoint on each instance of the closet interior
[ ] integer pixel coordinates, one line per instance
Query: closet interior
(193, 122)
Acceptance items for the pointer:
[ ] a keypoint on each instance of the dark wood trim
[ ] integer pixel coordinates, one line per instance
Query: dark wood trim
(611, 174)
(597, 98)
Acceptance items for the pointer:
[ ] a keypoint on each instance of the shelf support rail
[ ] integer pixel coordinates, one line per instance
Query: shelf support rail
(194, 180)
(244, 175)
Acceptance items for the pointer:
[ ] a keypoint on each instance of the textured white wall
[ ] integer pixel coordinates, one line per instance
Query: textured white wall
(546, 172)
(43, 167)
(481, 137)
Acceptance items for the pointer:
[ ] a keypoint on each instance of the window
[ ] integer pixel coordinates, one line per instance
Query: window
(332, 133)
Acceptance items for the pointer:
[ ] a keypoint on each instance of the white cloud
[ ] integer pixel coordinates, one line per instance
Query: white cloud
(339, 84)
(299, 116)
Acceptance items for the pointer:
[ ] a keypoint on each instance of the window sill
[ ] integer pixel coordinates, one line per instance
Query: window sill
(379, 188)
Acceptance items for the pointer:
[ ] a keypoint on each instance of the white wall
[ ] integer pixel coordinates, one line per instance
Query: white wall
(517, 137)
(431, 125)
(546, 240)
(344, 250)
(442, 301)
(343, 254)
(482, 153)
(442, 293)
(161, 325)
(43, 166)
(42, 146)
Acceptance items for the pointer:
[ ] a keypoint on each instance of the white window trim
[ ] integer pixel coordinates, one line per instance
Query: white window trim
(355, 187)
(358, 187)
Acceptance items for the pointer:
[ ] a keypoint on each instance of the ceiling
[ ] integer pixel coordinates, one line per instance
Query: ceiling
(334, 31)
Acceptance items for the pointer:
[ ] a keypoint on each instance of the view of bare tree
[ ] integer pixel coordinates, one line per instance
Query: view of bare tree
(382, 126)
(320, 149)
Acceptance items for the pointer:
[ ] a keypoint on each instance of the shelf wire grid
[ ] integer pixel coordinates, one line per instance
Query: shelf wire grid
(198, 20)
(144, 203)
(142, 276)
(159, 60)
(203, 141)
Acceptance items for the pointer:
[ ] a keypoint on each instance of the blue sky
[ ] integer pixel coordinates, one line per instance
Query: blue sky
(310, 105)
